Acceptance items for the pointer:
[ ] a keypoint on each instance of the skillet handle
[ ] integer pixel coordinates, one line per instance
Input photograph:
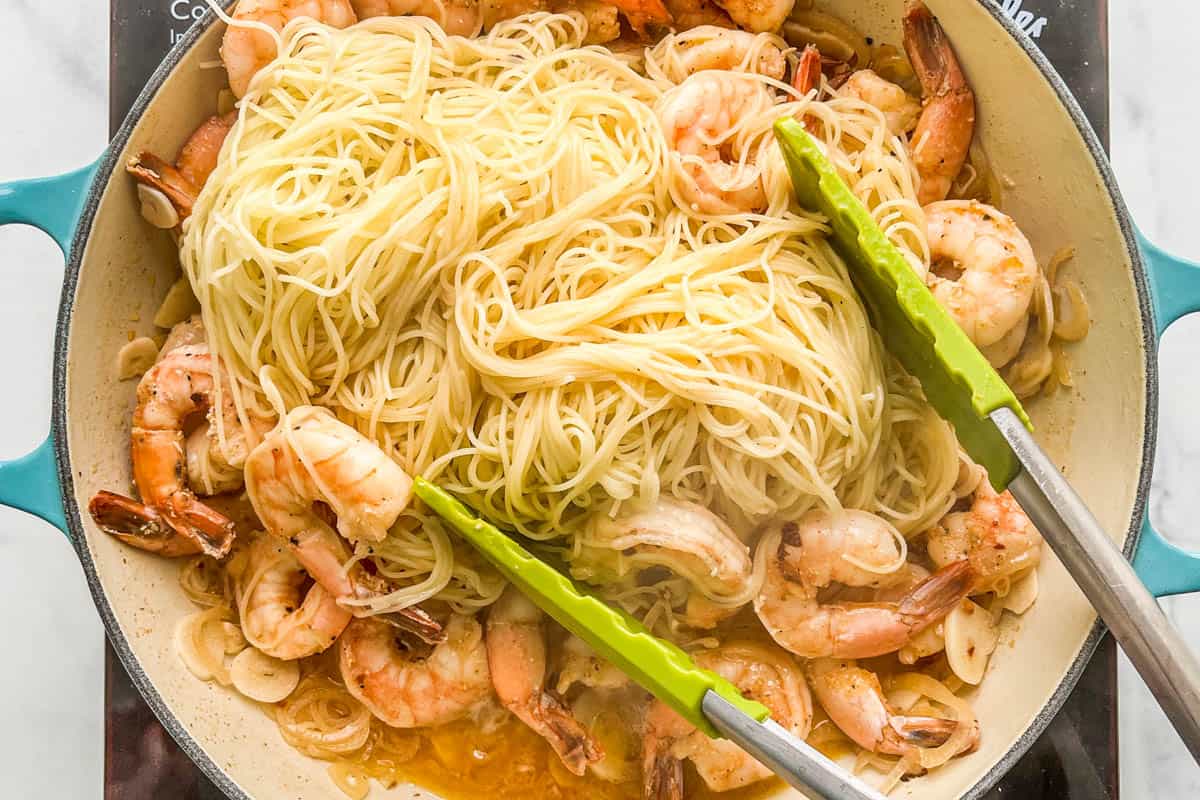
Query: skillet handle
(54, 205)
(1175, 291)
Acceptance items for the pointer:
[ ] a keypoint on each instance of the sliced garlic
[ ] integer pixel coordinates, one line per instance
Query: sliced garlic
(136, 357)
(263, 678)
(179, 304)
(926, 643)
(235, 641)
(971, 637)
(200, 645)
(156, 208)
(1022, 594)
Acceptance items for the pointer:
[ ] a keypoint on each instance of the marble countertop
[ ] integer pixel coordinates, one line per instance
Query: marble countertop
(55, 60)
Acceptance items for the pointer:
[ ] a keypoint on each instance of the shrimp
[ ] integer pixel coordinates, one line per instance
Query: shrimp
(456, 17)
(246, 49)
(189, 332)
(700, 117)
(604, 24)
(644, 14)
(280, 615)
(182, 181)
(805, 557)
(762, 673)
(312, 458)
(139, 525)
(689, 14)
(994, 535)
(900, 110)
(947, 123)
(757, 16)
(412, 686)
(854, 700)
(807, 75)
(182, 384)
(516, 654)
(712, 47)
(684, 537)
(997, 271)
(579, 664)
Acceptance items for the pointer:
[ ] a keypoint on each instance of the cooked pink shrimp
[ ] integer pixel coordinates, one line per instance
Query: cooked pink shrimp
(516, 652)
(762, 673)
(813, 554)
(995, 265)
(714, 47)
(407, 685)
(712, 173)
(757, 16)
(247, 49)
(688, 14)
(182, 181)
(457, 17)
(947, 124)
(995, 535)
(139, 525)
(685, 537)
(312, 458)
(281, 614)
(179, 386)
(900, 110)
(807, 75)
(854, 700)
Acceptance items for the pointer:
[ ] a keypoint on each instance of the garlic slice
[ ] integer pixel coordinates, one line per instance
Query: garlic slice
(263, 678)
(1022, 594)
(235, 641)
(926, 643)
(156, 208)
(971, 637)
(179, 304)
(201, 645)
(136, 357)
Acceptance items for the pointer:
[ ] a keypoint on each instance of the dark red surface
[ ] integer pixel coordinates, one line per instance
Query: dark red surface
(1076, 757)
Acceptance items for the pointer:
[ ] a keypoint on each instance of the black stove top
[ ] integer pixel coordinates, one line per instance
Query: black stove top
(1076, 757)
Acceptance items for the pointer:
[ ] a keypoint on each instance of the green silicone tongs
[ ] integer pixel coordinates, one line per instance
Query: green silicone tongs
(993, 429)
(704, 698)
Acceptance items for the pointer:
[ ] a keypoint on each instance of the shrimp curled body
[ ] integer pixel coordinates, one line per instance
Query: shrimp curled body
(516, 649)
(805, 557)
(713, 169)
(312, 458)
(280, 615)
(408, 688)
(998, 270)
(763, 673)
(854, 700)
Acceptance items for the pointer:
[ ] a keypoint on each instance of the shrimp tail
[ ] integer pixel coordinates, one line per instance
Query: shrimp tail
(947, 125)
(923, 731)
(138, 525)
(157, 173)
(211, 530)
(936, 596)
(929, 50)
(568, 738)
(663, 776)
(416, 621)
(808, 71)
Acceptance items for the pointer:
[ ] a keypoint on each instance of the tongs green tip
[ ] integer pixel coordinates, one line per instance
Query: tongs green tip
(957, 380)
(659, 666)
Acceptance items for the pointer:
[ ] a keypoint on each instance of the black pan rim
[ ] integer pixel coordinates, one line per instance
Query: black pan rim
(108, 166)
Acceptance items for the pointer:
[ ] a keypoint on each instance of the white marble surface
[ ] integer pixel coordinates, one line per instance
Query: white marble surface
(54, 62)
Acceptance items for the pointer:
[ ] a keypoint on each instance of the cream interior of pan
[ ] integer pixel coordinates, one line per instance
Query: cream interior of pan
(1096, 432)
